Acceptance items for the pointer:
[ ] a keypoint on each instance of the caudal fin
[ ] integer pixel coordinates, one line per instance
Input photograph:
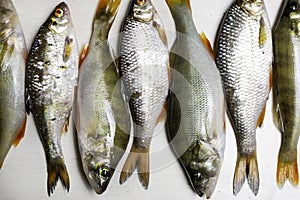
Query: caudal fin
(287, 170)
(56, 169)
(246, 167)
(137, 158)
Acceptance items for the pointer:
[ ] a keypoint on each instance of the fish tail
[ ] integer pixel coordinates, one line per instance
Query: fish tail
(246, 166)
(171, 2)
(108, 6)
(57, 169)
(287, 170)
(137, 158)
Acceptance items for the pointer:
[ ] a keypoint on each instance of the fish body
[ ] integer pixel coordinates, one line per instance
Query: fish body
(13, 53)
(286, 90)
(196, 106)
(51, 74)
(102, 118)
(143, 65)
(244, 57)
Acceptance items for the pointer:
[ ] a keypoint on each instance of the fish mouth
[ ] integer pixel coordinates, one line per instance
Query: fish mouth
(144, 13)
(253, 8)
(295, 16)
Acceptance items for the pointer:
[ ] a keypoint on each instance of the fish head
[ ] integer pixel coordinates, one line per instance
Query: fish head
(203, 169)
(8, 19)
(60, 20)
(143, 10)
(253, 7)
(98, 173)
(292, 9)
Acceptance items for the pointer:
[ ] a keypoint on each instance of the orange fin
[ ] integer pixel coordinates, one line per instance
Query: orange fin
(261, 118)
(246, 167)
(66, 125)
(206, 42)
(56, 169)
(163, 114)
(21, 133)
(108, 6)
(83, 54)
(137, 158)
(287, 171)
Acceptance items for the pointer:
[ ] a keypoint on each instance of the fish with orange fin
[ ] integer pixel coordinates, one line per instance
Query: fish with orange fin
(51, 75)
(196, 105)
(286, 90)
(13, 54)
(143, 65)
(102, 117)
(244, 59)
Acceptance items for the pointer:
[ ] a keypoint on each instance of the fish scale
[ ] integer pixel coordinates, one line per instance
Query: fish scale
(144, 69)
(286, 91)
(233, 65)
(13, 54)
(51, 75)
(196, 118)
(244, 57)
(133, 56)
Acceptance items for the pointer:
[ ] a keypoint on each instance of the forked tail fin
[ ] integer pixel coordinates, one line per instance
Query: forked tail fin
(287, 170)
(57, 169)
(246, 167)
(137, 158)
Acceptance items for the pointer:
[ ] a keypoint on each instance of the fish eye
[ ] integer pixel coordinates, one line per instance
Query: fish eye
(141, 2)
(197, 177)
(293, 6)
(59, 12)
(104, 172)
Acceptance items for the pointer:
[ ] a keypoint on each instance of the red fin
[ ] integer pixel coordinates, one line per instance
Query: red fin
(137, 158)
(83, 54)
(207, 44)
(287, 171)
(261, 118)
(21, 133)
(246, 166)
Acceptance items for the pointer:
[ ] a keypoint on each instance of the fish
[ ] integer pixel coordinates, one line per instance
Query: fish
(13, 56)
(102, 117)
(244, 58)
(195, 124)
(51, 75)
(143, 66)
(286, 68)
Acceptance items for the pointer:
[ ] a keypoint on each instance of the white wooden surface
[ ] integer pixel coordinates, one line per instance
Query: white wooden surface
(23, 175)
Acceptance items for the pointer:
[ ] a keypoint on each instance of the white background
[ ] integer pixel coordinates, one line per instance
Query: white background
(23, 175)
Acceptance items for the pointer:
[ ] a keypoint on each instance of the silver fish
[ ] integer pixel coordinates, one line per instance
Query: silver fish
(51, 74)
(144, 70)
(196, 105)
(244, 57)
(102, 118)
(13, 54)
